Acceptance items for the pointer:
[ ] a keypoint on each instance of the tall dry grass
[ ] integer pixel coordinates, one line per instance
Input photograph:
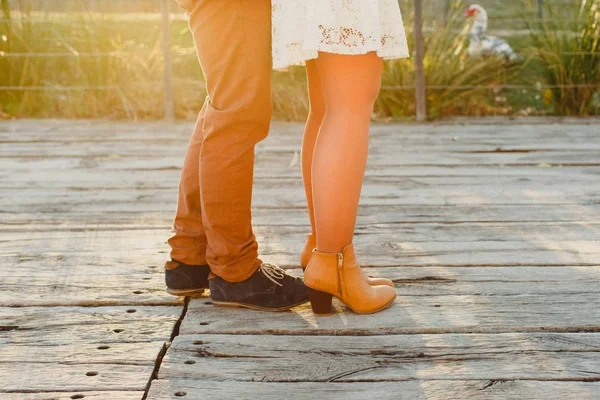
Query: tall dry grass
(90, 69)
(127, 74)
(456, 83)
(567, 48)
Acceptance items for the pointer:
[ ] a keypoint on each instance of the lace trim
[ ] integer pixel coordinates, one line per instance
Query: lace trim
(348, 37)
(302, 28)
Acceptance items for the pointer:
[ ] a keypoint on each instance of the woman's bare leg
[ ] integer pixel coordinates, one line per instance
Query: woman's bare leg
(311, 131)
(350, 85)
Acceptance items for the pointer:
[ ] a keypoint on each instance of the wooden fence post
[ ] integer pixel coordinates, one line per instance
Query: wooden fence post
(420, 100)
(541, 9)
(169, 104)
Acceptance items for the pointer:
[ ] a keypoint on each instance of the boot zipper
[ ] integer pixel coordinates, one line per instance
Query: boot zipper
(340, 267)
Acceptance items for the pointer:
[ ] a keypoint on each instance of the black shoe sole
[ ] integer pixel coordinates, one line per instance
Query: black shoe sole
(187, 292)
(255, 307)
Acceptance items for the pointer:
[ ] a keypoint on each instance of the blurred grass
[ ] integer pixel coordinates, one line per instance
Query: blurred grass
(458, 84)
(570, 61)
(130, 72)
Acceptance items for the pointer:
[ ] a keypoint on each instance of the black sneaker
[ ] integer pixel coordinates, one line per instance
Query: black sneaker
(269, 289)
(186, 280)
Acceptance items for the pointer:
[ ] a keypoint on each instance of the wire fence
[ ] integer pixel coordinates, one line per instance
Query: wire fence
(140, 54)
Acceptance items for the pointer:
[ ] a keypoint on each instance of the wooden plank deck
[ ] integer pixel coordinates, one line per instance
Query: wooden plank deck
(491, 234)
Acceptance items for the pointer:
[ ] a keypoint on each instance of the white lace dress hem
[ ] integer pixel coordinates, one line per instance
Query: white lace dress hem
(302, 28)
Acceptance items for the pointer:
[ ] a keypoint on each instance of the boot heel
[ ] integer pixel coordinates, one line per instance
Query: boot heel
(320, 302)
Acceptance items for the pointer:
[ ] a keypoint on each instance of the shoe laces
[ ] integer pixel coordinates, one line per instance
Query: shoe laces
(272, 272)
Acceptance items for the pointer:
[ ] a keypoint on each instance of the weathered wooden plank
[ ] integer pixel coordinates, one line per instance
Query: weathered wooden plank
(425, 275)
(80, 352)
(118, 181)
(412, 314)
(81, 348)
(54, 269)
(86, 181)
(410, 281)
(124, 395)
(42, 318)
(384, 251)
(387, 248)
(18, 377)
(277, 169)
(520, 130)
(441, 231)
(284, 133)
(414, 390)
(55, 220)
(46, 263)
(489, 281)
(434, 143)
(554, 145)
(442, 183)
(113, 332)
(292, 195)
(282, 138)
(390, 159)
(394, 249)
(266, 358)
(83, 286)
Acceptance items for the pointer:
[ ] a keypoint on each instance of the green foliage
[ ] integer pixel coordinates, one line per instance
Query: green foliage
(569, 56)
(131, 62)
(457, 84)
(5, 9)
(129, 71)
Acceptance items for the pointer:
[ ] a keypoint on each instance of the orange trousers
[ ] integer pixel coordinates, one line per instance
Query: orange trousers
(213, 220)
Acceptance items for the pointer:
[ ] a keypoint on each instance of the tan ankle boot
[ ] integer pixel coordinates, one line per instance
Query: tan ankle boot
(339, 275)
(311, 243)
